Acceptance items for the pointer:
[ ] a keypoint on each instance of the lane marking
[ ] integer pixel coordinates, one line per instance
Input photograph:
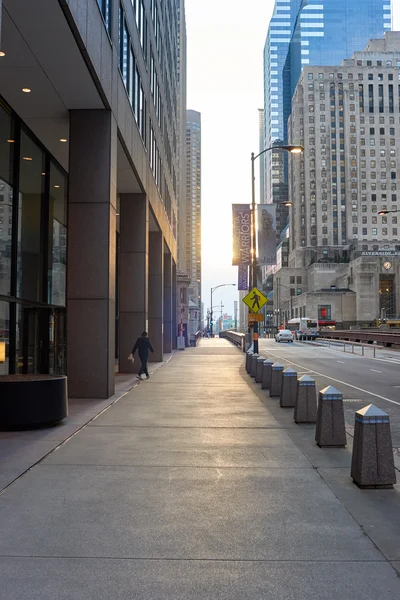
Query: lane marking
(392, 360)
(375, 371)
(339, 381)
(340, 361)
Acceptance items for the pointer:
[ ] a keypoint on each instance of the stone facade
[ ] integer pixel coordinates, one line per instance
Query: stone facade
(347, 119)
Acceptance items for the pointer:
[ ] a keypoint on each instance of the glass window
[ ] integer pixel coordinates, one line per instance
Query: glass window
(105, 9)
(4, 337)
(31, 194)
(324, 312)
(57, 258)
(6, 196)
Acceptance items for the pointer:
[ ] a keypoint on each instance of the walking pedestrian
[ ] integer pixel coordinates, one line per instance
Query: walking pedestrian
(143, 345)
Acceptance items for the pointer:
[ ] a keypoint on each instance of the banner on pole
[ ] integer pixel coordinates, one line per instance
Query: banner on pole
(243, 278)
(266, 233)
(241, 222)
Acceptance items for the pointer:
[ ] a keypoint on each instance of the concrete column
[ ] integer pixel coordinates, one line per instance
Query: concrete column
(156, 295)
(168, 304)
(174, 306)
(91, 254)
(134, 266)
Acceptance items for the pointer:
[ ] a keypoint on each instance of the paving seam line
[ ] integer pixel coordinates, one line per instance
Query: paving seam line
(255, 390)
(125, 392)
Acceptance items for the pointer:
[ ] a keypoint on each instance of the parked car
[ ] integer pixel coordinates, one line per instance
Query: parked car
(284, 335)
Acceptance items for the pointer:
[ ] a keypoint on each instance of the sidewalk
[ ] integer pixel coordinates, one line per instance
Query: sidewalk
(190, 488)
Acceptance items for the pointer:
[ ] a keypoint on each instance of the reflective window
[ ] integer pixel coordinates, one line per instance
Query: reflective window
(57, 258)
(31, 195)
(105, 9)
(4, 337)
(6, 196)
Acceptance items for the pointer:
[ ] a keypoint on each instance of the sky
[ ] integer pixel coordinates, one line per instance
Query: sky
(225, 83)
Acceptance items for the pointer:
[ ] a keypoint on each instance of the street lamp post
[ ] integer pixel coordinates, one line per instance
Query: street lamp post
(382, 213)
(253, 276)
(290, 297)
(211, 314)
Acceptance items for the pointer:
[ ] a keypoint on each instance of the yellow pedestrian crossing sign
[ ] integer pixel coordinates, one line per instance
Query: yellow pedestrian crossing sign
(255, 300)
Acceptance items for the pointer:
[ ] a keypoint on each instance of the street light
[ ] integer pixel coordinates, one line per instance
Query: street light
(212, 291)
(292, 150)
(290, 296)
(386, 212)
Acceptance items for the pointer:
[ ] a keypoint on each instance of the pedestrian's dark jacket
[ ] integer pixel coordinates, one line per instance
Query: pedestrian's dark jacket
(143, 346)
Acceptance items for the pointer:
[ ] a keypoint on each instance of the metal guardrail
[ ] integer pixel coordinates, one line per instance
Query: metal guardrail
(345, 343)
(195, 338)
(236, 338)
(387, 339)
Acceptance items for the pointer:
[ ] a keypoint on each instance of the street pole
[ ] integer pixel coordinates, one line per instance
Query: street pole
(253, 278)
(211, 315)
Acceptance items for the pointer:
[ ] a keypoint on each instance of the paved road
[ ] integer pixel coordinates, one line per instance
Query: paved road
(362, 380)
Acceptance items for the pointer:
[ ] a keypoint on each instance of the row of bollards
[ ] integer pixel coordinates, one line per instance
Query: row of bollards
(372, 458)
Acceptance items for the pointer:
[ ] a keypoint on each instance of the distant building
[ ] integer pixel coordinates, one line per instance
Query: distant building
(344, 262)
(193, 207)
(305, 33)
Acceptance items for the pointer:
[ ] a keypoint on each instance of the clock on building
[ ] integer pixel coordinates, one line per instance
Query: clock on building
(387, 265)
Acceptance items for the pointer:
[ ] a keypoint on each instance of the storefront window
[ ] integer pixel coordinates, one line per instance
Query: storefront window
(31, 194)
(6, 195)
(57, 261)
(4, 337)
(324, 312)
(33, 253)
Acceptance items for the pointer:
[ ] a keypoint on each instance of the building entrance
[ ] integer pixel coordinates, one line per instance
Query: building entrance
(40, 340)
(387, 296)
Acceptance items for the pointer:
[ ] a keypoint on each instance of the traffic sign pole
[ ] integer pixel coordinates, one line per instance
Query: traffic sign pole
(255, 300)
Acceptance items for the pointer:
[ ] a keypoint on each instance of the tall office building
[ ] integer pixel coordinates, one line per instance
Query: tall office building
(275, 53)
(89, 183)
(182, 89)
(193, 206)
(260, 149)
(308, 32)
(325, 33)
(347, 119)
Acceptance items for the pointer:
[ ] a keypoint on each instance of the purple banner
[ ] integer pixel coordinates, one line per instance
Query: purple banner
(241, 221)
(243, 278)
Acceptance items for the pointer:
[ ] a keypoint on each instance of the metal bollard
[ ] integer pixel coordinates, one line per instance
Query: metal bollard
(266, 375)
(372, 464)
(305, 409)
(289, 388)
(276, 379)
(259, 369)
(330, 430)
(254, 364)
(249, 354)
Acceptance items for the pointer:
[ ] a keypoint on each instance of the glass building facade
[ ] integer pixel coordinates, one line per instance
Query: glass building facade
(308, 32)
(326, 33)
(33, 253)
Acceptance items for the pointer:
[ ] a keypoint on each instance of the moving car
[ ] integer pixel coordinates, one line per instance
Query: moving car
(284, 335)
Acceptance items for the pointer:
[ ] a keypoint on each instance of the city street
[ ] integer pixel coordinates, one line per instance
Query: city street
(362, 380)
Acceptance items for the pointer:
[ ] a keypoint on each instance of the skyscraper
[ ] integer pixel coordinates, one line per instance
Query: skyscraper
(89, 184)
(325, 33)
(345, 241)
(193, 206)
(308, 32)
(275, 52)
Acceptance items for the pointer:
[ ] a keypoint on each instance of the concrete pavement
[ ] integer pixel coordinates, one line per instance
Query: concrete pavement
(193, 485)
